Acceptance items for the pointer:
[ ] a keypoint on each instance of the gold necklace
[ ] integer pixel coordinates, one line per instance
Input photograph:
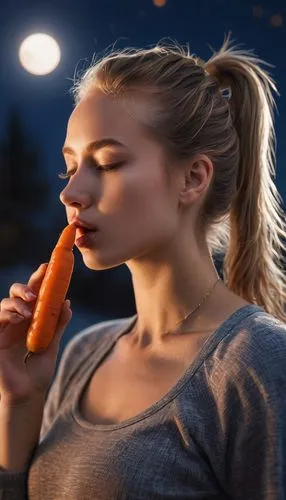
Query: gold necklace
(196, 308)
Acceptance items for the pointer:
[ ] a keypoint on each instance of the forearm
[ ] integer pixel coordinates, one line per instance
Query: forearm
(19, 433)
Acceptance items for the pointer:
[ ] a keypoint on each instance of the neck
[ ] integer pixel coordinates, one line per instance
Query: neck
(166, 292)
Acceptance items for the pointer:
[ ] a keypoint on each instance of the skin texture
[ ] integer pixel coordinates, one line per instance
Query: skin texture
(144, 221)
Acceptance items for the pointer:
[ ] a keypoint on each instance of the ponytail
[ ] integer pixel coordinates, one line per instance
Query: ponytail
(253, 261)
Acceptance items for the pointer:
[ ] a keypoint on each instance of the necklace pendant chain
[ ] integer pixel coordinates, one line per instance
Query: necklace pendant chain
(196, 308)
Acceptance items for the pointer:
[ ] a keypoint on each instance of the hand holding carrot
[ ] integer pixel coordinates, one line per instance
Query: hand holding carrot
(20, 382)
(52, 294)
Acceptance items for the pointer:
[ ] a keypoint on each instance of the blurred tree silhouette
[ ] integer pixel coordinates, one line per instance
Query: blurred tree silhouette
(24, 192)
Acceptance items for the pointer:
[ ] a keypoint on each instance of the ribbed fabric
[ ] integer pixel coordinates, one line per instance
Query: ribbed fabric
(219, 433)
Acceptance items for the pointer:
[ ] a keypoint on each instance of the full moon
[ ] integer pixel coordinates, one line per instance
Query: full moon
(39, 54)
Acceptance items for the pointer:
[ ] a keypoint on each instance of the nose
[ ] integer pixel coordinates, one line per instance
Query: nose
(74, 198)
(76, 194)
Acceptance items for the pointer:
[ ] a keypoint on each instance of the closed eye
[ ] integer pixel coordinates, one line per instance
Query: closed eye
(101, 168)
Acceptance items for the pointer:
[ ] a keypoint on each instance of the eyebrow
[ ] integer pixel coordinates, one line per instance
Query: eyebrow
(95, 146)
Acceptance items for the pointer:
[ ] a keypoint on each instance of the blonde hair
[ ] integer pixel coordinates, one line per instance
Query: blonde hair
(241, 213)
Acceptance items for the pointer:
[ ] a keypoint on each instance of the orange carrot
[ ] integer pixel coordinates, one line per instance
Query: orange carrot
(52, 293)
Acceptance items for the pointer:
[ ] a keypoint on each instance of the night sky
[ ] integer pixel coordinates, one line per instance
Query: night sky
(85, 28)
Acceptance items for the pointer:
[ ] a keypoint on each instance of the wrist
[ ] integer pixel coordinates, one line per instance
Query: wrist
(11, 404)
(20, 425)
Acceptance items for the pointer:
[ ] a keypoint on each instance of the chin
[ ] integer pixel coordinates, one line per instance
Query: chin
(106, 258)
(97, 262)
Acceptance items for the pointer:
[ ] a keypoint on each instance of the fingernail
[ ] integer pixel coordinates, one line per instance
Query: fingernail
(30, 295)
(68, 302)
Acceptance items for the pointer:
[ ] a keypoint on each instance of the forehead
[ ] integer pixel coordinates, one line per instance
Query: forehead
(98, 116)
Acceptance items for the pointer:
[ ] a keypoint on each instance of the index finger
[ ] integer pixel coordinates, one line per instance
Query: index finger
(36, 278)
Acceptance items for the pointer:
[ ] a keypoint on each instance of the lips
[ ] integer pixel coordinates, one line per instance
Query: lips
(82, 227)
(81, 231)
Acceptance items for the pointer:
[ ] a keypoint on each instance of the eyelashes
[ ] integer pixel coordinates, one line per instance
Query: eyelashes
(100, 168)
(66, 175)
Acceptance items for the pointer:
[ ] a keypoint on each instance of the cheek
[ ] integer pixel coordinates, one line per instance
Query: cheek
(139, 209)
(137, 221)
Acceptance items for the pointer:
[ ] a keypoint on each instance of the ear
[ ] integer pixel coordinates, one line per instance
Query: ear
(198, 174)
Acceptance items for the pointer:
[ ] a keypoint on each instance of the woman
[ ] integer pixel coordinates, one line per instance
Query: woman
(186, 399)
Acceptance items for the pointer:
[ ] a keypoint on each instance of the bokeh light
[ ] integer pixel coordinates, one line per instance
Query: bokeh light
(258, 11)
(159, 3)
(276, 21)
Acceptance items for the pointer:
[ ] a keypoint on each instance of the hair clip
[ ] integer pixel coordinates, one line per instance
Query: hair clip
(226, 93)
